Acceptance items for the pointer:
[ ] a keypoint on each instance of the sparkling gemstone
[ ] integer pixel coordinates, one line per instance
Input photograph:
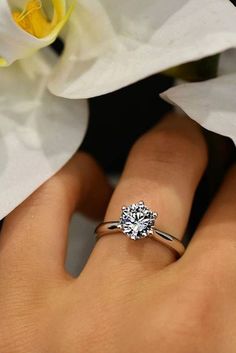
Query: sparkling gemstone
(137, 221)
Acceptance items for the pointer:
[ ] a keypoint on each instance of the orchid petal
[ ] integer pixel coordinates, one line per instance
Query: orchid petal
(111, 44)
(38, 132)
(211, 103)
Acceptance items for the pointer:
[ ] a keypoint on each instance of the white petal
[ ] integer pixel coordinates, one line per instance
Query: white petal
(15, 43)
(38, 131)
(211, 103)
(114, 43)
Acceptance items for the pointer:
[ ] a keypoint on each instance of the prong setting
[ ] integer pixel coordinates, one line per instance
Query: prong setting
(137, 221)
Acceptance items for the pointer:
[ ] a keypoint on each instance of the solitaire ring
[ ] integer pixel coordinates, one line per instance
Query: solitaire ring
(136, 222)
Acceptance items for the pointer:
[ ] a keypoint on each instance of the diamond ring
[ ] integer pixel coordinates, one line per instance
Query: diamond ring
(136, 222)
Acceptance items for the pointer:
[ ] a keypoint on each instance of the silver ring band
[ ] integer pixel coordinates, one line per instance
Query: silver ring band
(108, 228)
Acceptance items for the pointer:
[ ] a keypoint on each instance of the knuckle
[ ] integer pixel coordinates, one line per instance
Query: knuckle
(53, 186)
(170, 145)
(54, 191)
(70, 182)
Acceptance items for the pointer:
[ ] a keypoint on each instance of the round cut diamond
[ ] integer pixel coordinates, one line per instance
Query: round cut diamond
(137, 221)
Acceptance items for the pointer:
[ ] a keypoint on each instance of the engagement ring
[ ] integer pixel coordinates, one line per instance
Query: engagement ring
(136, 222)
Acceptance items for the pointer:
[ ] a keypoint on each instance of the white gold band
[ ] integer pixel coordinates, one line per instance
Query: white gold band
(108, 228)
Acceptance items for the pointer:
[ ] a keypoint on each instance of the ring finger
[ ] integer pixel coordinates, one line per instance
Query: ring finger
(163, 169)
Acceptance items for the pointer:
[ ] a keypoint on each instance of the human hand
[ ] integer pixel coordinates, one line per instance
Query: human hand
(131, 296)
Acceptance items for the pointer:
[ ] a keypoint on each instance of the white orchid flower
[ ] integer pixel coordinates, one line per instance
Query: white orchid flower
(111, 43)
(27, 26)
(108, 45)
(211, 103)
(39, 132)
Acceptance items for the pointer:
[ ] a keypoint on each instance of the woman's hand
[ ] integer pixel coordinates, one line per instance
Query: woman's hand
(132, 297)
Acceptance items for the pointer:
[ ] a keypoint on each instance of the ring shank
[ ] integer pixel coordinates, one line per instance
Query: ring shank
(109, 228)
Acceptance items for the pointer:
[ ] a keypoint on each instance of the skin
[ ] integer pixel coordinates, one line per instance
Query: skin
(132, 297)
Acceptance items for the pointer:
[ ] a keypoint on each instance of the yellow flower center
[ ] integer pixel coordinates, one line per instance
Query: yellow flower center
(3, 62)
(34, 20)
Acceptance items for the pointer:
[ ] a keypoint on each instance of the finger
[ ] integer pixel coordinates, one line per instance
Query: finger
(214, 244)
(163, 170)
(35, 233)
